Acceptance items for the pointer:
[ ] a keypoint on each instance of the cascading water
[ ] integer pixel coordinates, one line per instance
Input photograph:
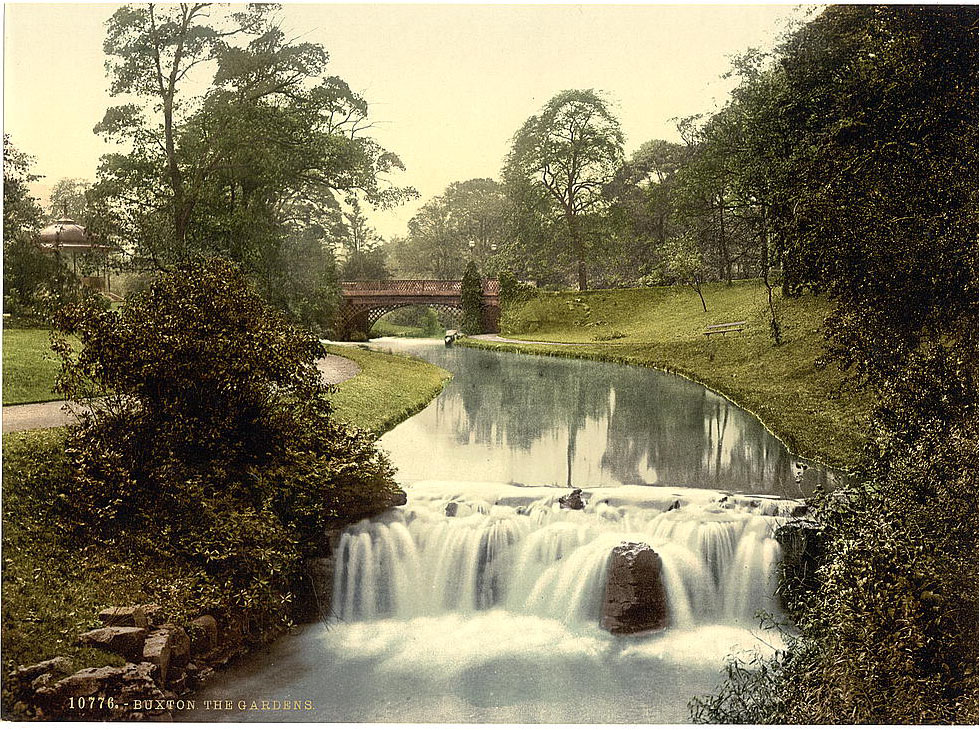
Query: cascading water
(484, 602)
(517, 549)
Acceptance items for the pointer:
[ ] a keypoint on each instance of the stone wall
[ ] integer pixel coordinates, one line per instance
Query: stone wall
(164, 662)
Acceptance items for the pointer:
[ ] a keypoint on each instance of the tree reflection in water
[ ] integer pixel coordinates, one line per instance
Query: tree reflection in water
(539, 420)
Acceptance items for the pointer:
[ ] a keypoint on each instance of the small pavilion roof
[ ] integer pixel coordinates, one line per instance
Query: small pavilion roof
(67, 235)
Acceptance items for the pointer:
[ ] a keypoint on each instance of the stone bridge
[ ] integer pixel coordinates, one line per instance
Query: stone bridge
(365, 302)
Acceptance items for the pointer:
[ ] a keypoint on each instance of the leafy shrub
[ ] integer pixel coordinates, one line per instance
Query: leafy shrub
(216, 444)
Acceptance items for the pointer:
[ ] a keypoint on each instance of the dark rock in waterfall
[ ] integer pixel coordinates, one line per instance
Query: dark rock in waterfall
(399, 498)
(675, 505)
(800, 510)
(314, 591)
(803, 544)
(635, 597)
(451, 509)
(572, 501)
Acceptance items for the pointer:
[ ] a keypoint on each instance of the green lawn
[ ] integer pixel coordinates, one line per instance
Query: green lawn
(29, 366)
(383, 328)
(809, 405)
(388, 389)
(53, 588)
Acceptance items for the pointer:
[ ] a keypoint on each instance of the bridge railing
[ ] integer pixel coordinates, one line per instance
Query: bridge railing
(414, 287)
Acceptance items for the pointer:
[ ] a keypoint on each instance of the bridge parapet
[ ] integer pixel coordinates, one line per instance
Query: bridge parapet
(414, 287)
(364, 302)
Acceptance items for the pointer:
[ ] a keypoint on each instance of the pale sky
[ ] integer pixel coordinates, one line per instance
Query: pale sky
(448, 84)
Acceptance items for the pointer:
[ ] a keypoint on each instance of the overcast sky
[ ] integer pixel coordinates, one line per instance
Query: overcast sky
(448, 84)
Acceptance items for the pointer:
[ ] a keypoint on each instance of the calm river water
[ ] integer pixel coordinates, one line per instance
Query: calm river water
(480, 600)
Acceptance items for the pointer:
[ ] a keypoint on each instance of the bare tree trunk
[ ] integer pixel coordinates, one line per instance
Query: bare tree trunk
(699, 288)
(775, 326)
(579, 253)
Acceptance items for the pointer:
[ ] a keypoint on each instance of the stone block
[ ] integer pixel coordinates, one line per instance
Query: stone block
(204, 635)
(179, 645)
(123, 616)
(59, 665)
(127, 641)
(157, 651)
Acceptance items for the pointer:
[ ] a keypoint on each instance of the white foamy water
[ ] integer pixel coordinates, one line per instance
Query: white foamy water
(492, 615)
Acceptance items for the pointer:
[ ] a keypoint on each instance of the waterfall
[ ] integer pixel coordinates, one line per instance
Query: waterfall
(513, 548)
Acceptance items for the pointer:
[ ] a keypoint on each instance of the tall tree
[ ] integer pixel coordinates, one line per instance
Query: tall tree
(564, 156)
(255, 169)
(68, 198)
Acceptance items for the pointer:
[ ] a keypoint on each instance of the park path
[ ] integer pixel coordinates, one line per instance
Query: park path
(497, 338)
(335, 369)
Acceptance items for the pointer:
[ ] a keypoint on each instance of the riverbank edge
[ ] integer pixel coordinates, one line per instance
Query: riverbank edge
(574, 351)
(43, 690)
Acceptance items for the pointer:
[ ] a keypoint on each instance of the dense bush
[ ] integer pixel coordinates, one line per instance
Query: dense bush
(888, 629)
(216, 444)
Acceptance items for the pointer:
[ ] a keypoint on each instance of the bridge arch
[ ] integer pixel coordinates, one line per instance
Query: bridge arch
(364, 302)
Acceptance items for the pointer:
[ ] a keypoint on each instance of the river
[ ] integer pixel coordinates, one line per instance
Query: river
(480, 600)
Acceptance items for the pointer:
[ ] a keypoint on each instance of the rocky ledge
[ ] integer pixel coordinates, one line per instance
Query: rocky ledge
(163, 663)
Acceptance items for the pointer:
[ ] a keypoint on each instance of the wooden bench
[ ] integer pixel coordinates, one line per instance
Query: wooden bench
(716, 329)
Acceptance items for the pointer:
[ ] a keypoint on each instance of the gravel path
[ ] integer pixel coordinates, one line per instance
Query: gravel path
(335, 369)
(497, 338)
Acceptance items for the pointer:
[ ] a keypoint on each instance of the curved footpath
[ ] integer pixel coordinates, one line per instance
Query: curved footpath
(497, 338)
(334, 369)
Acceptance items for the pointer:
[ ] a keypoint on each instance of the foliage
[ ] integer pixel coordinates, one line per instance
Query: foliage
(44, 609)
(32, 281)
(256, 169)
(68, 199)
(217, 431)
(686, 262)
(465, 222)
(877, 133)
(559, 163)
(512, 291)
(642, 199)
(471, 295)
(365, 266)
(888, 631)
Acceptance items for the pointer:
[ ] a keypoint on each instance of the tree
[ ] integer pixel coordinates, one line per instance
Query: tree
(476, 216)
(562, 158)
(467, 220)
(433, 248)
(685, 261)
(471, 294)
(642, 203)
(32, 281)
(254, 169)
(68, 198)
(875, 157)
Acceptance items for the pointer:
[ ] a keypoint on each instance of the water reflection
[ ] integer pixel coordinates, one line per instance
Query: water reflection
(554, 421)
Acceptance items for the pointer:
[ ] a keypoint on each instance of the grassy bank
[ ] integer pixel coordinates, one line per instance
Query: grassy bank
(54, 587)
(388, 389)
(29, 366)
(808, 405)
(383, 328)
